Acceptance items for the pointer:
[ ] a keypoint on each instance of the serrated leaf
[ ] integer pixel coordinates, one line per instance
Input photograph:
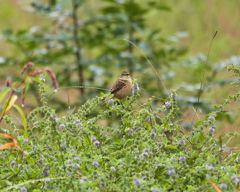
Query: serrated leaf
(195, 137)
(202, 137)
(128, 142)
(199, 161)
(164, 140)
(129, 159)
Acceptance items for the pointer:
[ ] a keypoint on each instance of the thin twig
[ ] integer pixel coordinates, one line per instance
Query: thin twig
(149, 63)
(16, 117)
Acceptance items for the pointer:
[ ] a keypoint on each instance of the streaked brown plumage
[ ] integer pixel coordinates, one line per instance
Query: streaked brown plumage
(122, 87)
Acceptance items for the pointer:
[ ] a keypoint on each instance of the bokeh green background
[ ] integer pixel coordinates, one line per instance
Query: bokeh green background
(174, 35)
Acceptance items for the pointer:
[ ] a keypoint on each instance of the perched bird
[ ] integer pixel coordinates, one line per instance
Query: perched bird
(122, 87)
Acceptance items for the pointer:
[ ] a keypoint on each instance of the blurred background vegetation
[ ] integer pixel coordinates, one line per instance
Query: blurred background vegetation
(82, 42)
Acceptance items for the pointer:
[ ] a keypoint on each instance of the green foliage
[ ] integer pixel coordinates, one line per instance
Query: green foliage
(146, 148)
(76, 46)
(147, 151)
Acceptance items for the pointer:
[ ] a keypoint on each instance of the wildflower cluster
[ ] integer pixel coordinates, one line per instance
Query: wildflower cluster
(147, 151)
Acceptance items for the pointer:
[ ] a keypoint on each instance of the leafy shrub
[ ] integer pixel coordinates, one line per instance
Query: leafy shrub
(148, 151)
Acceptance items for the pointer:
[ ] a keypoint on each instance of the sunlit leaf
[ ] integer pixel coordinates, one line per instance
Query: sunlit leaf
(3, 93)
(20, 111)
(10, 104)
(171, 147)
(86, 141)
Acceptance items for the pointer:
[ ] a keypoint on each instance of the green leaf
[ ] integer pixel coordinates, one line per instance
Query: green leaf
(199, 77)
(14, 84)
(171, 147)
(146, 125)
(166, 125)
(26, 87)
(20, 111)
(202, 137)
(220, 141)
(8, 183)
(198, 123)
(215, 107)
(3, 93)
(164, 140)
(86, 141)
(128, 142)
(199, 161)
(129, 159)
(211, 141)
(10, 103)
(37, 80)
(159, 172)
(195, 137)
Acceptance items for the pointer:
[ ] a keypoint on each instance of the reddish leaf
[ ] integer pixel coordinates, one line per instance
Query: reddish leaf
(214, 186)
(7, 145)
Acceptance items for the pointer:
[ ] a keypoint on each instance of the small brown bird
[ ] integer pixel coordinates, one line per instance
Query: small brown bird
(122, 87)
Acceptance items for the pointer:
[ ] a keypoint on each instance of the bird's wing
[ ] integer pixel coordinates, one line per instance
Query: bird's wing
(118, 85)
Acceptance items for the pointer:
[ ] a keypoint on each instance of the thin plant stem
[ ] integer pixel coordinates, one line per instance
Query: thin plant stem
(201, 85)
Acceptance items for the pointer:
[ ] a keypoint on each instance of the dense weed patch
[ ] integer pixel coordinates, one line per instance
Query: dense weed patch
(148, 151)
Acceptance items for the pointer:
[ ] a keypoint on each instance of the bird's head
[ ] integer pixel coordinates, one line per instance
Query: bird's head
(125, 75)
